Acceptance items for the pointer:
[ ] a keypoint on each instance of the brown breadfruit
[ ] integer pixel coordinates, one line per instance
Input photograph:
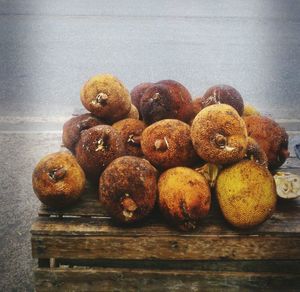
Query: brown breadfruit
(166, 99)
(246, 194)
(219, 134)
(136, 94)
(97, 147)
(133, 113)
(272, 138)
(197, 107)
(58, 180)
(223, 94)
(130, 131)
(73, 128)
(127, 188)
(106, 97)
(167, 144)
(255, 153)
(184, 197)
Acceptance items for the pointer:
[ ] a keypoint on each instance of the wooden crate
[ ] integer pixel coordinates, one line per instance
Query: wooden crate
(80, 249)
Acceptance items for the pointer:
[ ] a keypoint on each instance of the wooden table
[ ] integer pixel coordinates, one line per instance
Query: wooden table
(81, 249)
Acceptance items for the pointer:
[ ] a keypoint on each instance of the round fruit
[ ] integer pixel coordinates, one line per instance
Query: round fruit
(166, 99)
(137, 92)
(97, 147)
(106, 97)
(270, 137)
(219, 134)
(58, 180)
(184, 197)
(127, 188)
(246, 193)
(224, 94)
(250, 110)
(167, 144)
(130, 131)
(73, 128)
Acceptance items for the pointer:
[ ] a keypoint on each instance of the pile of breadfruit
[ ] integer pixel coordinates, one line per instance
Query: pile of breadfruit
(157, 146)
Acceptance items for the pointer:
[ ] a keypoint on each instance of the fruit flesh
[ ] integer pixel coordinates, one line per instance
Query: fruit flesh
(219, 134)
(58, 180)
(246, 193)
(127, 188)
(184, 197)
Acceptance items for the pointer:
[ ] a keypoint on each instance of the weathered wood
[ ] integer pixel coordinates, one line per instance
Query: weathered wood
(108, 279)
(202, 247)
(275, 266)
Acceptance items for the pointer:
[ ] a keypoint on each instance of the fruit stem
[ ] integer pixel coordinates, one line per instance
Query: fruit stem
(101, 98)
(102, 143)
(57, 173)
(161, 144)
(134, 140)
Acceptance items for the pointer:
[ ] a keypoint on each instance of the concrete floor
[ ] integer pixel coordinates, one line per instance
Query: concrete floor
(49, 48)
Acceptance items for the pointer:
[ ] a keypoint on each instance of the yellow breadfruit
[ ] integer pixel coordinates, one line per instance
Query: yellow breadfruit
(246, 193)
(184, 197)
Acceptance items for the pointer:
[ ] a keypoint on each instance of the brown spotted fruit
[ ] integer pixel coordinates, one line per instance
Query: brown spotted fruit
(219, 134)
(272, 138)
(166, 99)
(128, 189)
(223, 94)
(73, 128)
(58, 180)
(246, 194)
(130, 131)
(136, 94)
(106, 97)
(167, 144)
(184, 197)
(97, 147)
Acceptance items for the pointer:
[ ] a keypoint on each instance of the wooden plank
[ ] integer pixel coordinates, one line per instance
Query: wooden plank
(205, 247)
(108, 279)
(275, 266)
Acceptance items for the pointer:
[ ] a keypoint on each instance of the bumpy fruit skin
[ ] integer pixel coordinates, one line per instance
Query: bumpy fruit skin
(167, 144)
(219, 134)
(58, 180)
(128, 189)
(137, 92)
(166, 99)
(184, 197)
(133, 113)
(246, 193)
(250, 110)
(256, 153)
(97, 147)
(224, 94)
(106, 97)
(130, 131)
(270, 137)
(73, 128)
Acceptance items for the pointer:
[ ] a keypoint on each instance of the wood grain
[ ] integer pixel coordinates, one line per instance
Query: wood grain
(108, 279)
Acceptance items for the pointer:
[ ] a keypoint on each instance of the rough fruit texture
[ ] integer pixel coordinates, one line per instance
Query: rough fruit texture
(246, 193)
(166, 99)
(97, 147)
(128, 188)
(137, 92)
(184, 197)
(133, 114)
(106, 97)
(250, 110)
(224, 94)
(219, 134)
(255, 153)
(270, 137)
(167, 144)
(58, 180)
(73, 128)
(130, 131)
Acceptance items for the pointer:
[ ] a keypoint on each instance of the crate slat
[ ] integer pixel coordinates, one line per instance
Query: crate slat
(106, 279)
